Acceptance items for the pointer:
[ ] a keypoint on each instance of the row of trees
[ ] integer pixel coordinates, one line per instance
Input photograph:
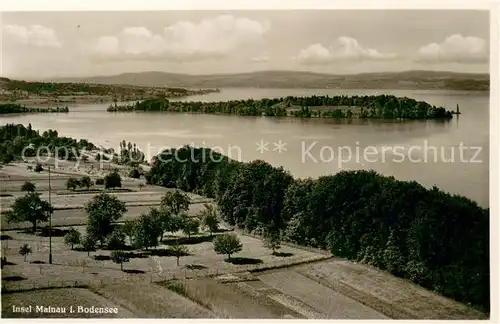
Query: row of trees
(381, 106)
(432, 238)
(11, 108)
(147, 231)
(111, 181)
(129, 154)
(84, 182)
(16, 138)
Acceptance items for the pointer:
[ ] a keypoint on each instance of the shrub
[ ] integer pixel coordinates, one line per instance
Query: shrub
(112, 180)
(38, 167)
(72, 237)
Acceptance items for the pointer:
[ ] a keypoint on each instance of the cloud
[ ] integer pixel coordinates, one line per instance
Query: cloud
(455, 49)
(182, 41)
(346, 49)
(260, 59)
(34, 35)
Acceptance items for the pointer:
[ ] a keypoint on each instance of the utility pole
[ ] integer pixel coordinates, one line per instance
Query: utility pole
(50, 223)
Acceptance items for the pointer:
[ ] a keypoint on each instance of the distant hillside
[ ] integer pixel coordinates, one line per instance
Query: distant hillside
(428, 80)
(12, 90)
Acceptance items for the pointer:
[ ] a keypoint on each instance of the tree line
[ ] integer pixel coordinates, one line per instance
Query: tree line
(11, 108)
(16, 138)
(381, 106)
(435, 239)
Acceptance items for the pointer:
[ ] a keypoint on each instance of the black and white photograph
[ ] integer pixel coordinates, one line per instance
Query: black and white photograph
(247, 164)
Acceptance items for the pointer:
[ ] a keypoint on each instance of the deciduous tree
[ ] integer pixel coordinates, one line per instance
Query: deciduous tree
(227, 244)
(175, 201)
(29, 208)
(119, 257)
(147, 231)
(190, 225)
(116, 241)
(179, 251)
(209, 219)
(72, 183)
(272, 239)
(24, 250)
(86, 182)
(72, 238)
(88, 244)
(112, 180)
(28, 186)
(102, 211)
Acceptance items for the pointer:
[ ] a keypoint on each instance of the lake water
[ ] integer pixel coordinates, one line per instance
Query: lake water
(452, 155)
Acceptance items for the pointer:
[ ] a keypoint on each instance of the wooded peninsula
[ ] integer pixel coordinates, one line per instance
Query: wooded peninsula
(11, 108)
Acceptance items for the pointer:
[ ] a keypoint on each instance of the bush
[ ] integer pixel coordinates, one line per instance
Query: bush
(119, 257)
(116, 240)
(38, 167)
(112, 180)
(134, 173)
(28, 186)
(72, 238)
(99, 182)
(72, 183)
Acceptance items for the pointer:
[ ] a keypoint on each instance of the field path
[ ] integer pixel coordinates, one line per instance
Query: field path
(324, 300)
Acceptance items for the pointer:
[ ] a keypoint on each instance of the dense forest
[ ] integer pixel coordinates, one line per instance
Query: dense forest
(432, 238)
(15, 138)
(11, 108)
(382, 106)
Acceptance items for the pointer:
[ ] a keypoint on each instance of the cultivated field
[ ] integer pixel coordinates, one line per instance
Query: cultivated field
(298, 283)
(69, 204)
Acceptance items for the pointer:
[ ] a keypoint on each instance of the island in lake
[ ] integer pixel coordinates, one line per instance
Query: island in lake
(348, 107)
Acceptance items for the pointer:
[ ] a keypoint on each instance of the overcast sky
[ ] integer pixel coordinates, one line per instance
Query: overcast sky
(47, 44)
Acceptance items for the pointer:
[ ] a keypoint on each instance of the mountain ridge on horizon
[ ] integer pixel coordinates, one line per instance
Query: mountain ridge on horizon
(410, 79)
